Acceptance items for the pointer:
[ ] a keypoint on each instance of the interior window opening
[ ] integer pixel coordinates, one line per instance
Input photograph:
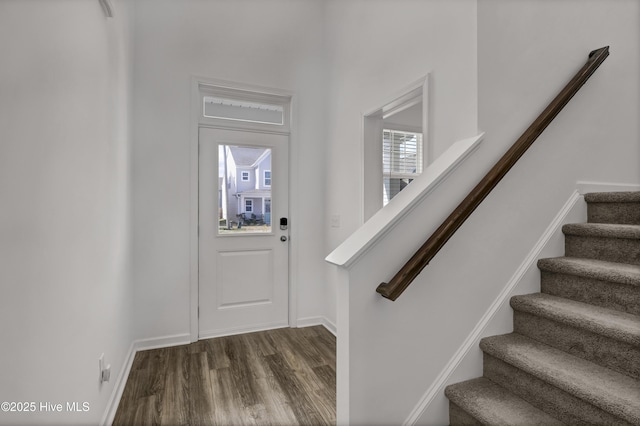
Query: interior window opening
(395, 146)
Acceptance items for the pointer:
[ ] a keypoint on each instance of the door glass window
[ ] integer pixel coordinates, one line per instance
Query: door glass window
(244, 205)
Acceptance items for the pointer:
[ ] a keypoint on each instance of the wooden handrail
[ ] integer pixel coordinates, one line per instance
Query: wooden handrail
(432, 246)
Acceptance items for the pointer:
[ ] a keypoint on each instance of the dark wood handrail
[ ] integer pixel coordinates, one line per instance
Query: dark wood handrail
(432, 246)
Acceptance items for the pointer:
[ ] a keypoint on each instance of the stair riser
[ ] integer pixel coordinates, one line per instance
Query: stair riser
(573, 362)
(459, 417)
(619, 250)
(558, 403)
(621, 297)
(614, 354)
(618, 213)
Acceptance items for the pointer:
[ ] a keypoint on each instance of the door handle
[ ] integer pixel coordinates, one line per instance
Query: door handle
(283, 238)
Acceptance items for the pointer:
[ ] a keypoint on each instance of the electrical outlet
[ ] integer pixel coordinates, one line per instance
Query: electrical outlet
(101, 366)
(105, 371)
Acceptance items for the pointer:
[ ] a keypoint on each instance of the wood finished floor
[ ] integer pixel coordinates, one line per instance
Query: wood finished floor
(276, 377)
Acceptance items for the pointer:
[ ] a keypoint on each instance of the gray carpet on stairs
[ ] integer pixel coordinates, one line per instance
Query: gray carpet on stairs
(613, 207)
(574, 356)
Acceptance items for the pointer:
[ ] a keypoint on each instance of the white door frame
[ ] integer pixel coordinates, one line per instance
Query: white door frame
(196, 123)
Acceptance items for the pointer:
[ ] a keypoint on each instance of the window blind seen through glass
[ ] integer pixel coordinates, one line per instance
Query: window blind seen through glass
(401, 160)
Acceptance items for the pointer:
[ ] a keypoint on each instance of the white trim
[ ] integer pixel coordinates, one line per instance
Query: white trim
(343, 341)
(586, 187)
(118, 388)
(323, 321)
(162, 342)
(215, 126)
(193, 207)
(294, 191)
(196, 124)
(402, 99)
(135, 347)
(403, 102)
(242, 330)
(471, 342)
(427, 131)
(388, 217)
(401, 127)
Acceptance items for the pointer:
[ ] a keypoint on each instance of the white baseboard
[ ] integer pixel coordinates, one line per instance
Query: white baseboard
(241, 330)
(586, 187)
(472, 341)
(311, 321)
(118, 388)
(162, 342)
(134, 348)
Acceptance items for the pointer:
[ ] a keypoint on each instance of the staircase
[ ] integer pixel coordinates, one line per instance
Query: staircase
(574, 354)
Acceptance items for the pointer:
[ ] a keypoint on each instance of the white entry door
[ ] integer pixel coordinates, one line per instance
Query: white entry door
(243, 231)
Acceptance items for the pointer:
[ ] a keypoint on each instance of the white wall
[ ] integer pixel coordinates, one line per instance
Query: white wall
(65, 81)
(278, 44)
(376, 48)
(527, 51)
(367, 69)
(308, 47)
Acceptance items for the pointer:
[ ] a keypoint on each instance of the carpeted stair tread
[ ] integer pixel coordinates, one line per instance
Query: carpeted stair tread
(612, 197)
(492, 404)
(614, 207)
(612, 392)
(621, 273)
(602, 230)
(575, 349)
(607, 322)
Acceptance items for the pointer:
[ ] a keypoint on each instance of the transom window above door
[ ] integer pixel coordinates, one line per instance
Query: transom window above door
(222, 106)
(231, 109)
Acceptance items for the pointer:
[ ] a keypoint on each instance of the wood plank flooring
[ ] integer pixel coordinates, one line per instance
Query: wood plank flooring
(276, 377)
